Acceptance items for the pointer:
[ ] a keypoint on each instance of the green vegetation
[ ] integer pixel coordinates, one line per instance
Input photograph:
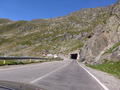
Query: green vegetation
(42, 48)
(56, 38)
(3, 40)
(72, 18)
(76, 47)
(109, 67)
(75, 32)
(55, 35)
(15, 62)
(13, 25)
(111, 49)
(97, 22)
(105, 16)
(1, 53)
(4, 20)
(86, 30)
(102, 19)
(26, 43)
(73, 45)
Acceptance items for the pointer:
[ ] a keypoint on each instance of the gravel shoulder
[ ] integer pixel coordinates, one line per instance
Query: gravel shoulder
(111, 82)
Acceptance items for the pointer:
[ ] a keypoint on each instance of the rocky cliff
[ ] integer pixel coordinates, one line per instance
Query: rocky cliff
(105, 43)
(95, 32)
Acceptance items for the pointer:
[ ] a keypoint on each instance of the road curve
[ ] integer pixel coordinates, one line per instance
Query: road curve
(59, 75)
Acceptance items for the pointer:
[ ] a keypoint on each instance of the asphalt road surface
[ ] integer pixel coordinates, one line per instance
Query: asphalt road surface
(58, 75)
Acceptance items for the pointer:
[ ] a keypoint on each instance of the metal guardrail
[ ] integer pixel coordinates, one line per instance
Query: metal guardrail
(4, 59)
(22, 58)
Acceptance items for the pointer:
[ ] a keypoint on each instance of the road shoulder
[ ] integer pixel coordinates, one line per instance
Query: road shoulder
(108, 80)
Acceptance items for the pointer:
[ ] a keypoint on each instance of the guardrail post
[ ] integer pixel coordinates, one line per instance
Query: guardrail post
(4, 62)
(30, 60)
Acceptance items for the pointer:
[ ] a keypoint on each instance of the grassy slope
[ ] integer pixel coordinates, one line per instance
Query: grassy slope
(48, 35)
(14, 62)
(109, 67)
(39, 39)
(4, 20)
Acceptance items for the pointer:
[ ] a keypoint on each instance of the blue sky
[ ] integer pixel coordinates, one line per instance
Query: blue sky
(35, 9)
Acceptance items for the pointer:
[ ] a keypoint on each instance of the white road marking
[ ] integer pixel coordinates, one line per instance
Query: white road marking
(105, 88)
(49, 73)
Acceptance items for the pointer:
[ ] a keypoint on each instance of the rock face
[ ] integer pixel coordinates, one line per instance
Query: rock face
(115, 54)
(105, 36)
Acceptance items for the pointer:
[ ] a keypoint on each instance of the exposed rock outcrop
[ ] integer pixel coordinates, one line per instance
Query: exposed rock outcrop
(105, 36)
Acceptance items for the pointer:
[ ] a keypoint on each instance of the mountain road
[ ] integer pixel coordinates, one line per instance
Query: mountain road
(58, 75)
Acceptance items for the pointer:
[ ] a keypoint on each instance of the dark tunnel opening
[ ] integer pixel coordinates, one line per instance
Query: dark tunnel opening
(74, 56)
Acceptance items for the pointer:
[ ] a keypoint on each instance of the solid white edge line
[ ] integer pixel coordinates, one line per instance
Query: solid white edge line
(49, 73)
(94, 77)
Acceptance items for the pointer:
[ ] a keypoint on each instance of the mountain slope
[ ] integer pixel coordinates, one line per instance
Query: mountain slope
(4, 20)
(62, 35)
(105, 44)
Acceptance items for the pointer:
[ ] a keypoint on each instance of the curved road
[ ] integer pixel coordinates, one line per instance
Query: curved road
(58, 75)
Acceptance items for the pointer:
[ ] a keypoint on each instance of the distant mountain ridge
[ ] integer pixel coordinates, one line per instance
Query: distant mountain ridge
(4, 20)
(91, 31)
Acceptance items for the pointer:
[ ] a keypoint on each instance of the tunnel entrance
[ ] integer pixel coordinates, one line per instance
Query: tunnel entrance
(74, 56)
